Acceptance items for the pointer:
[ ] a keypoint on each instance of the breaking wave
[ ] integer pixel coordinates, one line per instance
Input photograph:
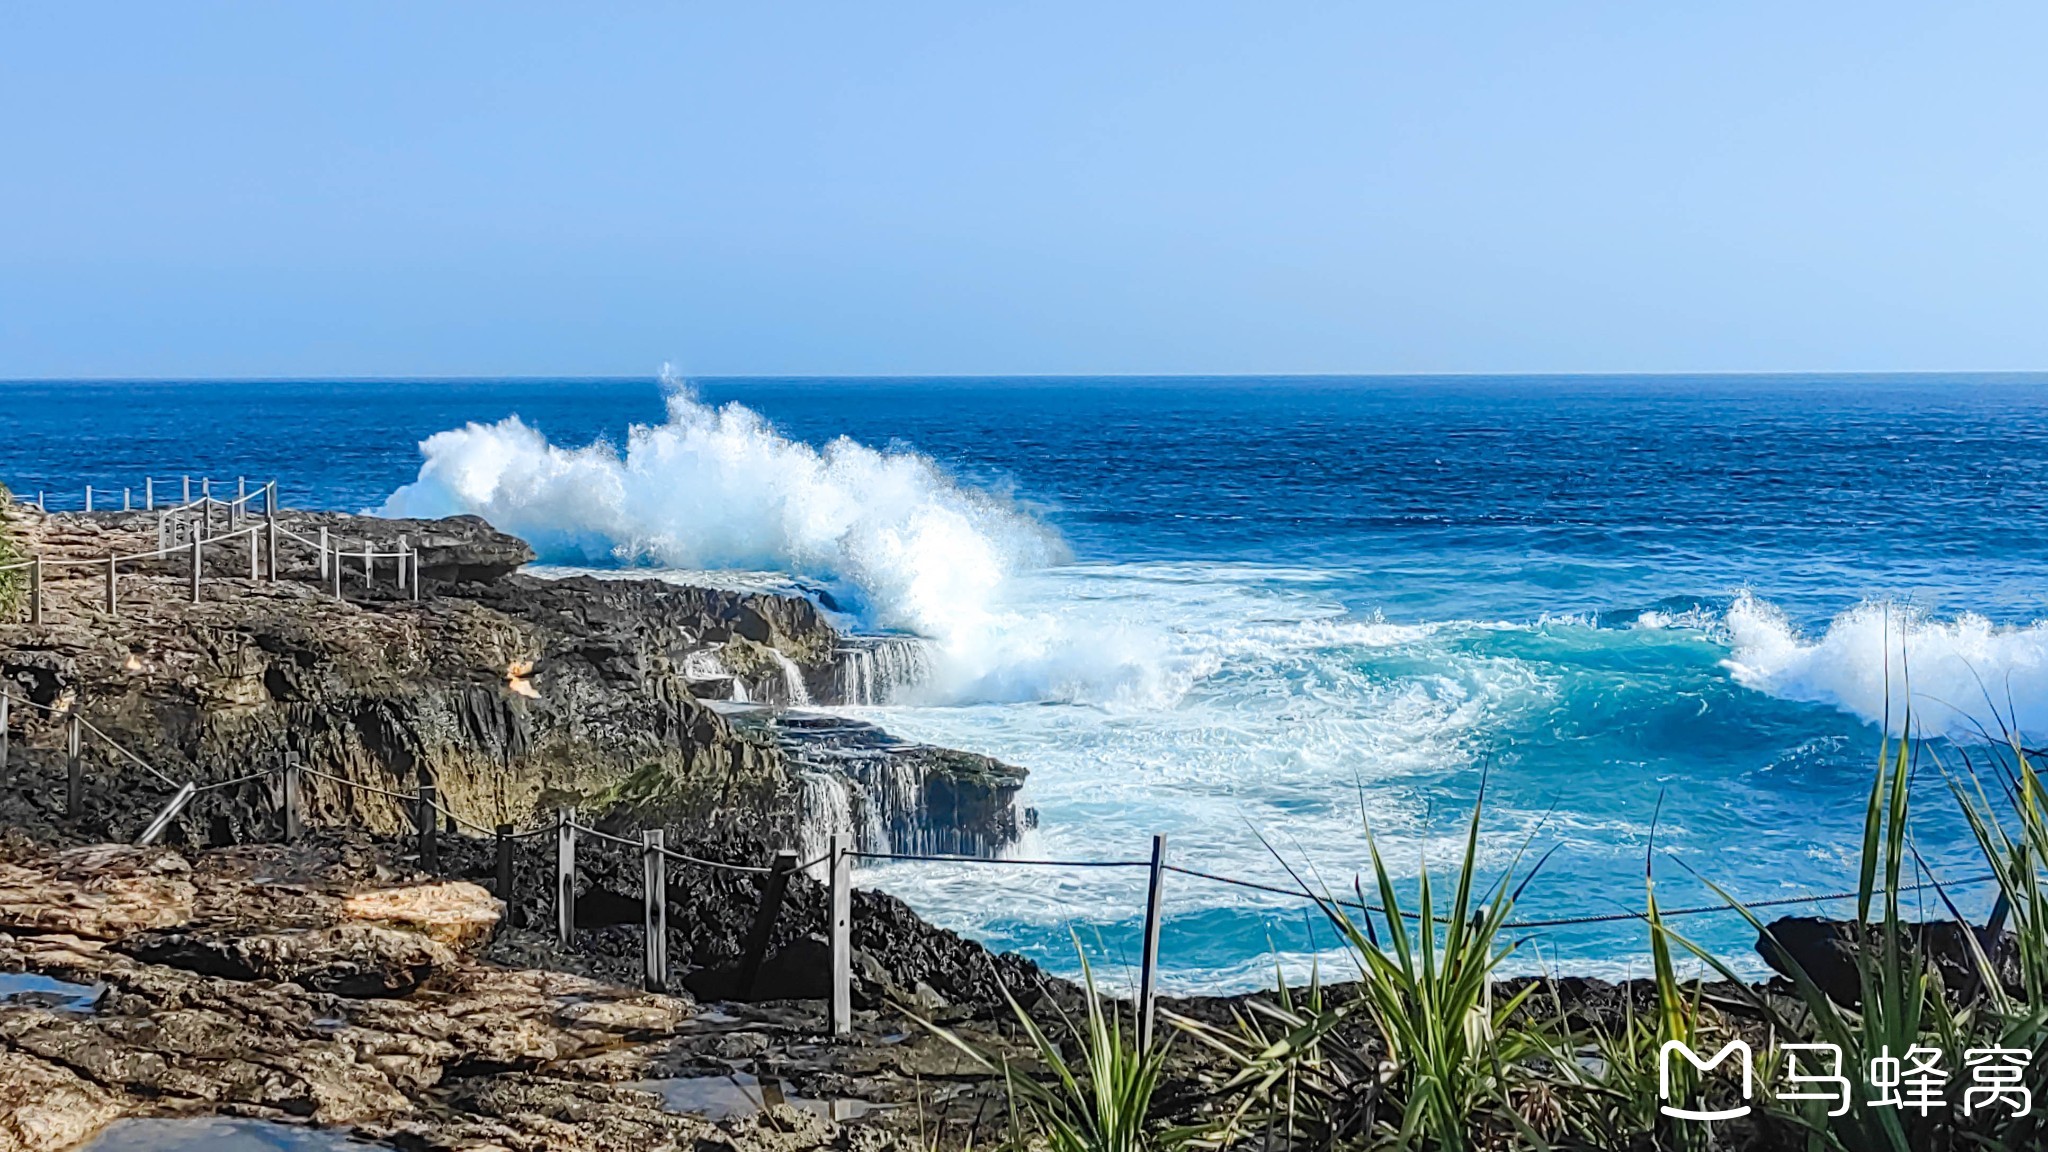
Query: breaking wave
(1959, 678)
(898, 543)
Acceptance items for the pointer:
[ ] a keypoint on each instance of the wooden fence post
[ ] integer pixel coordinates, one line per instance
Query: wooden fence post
(252, 553)
(401, 563)
(415, 573)
(74, 766)
(88, 497)
(654, 892)
(840, 861)
(270, 526)
(369, 553)
(1148, 970)
(113, 575)
(35, 592)
(5, 700)
(765, 915)
(127, 501)
(323, 554)
(565, 876)
(160, 528)
(334, 559)
(188, 491)
(149, 493)
(195, 569)
(504, 867)
(291, 797)
(427, 818)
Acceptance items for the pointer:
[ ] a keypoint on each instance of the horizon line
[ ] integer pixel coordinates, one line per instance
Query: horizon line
(1029, 376)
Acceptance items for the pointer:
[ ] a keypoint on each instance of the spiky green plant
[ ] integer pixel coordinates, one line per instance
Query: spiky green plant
(1426, 990)
(1100, 1100)
(1293, 1083)
(1901, 1002)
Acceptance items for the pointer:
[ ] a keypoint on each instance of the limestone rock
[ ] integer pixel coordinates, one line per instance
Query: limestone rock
(104, 892)
(455, 913)
(354, 960)
(50, 1108)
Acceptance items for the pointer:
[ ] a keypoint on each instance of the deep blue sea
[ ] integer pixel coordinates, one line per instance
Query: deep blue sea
(1257, 615)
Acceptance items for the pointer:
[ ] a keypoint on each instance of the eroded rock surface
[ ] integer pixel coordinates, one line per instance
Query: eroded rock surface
(222, 1013)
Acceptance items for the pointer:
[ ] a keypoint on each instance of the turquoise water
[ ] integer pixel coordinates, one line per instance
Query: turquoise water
(1254, 614)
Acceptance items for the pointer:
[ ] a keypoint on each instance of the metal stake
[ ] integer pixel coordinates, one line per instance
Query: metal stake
(505, 866)
(1148, 971)
(74, 767)
(565, 877)
(428, 821)
(654, 892)
(839, 855)
(270, 526)
(291, 797)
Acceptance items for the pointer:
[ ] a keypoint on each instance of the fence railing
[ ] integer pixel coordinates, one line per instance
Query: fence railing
(429, 814)
(191, 522)
(188, 530)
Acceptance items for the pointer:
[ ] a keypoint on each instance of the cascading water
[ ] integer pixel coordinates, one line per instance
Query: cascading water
(879, 670)
(794, 692)
(826, 804)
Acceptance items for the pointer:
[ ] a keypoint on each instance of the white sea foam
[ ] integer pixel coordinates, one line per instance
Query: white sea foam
(1959, 677)
(900, 543)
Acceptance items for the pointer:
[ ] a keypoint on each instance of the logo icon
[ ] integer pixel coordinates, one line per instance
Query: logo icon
(1736, 1048)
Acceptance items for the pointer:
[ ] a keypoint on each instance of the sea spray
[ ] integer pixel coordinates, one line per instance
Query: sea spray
(1963, 678)
(897, 542)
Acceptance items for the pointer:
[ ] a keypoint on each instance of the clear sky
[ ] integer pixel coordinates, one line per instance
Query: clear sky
(194, 189)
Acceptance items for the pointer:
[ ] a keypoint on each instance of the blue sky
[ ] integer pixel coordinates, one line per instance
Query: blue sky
(450, 189)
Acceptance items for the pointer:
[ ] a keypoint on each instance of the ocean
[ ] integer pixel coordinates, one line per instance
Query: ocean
(1259, 616)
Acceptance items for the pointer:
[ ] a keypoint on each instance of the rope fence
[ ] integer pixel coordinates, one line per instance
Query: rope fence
(429, 813)
(188, 529)
(179, 522)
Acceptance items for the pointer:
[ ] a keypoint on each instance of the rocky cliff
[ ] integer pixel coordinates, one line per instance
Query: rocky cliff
(514, 695)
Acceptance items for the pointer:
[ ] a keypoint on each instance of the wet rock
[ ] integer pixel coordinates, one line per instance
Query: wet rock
(1826, 950)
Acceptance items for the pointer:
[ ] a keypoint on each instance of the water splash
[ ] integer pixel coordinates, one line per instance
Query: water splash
(1958, 678)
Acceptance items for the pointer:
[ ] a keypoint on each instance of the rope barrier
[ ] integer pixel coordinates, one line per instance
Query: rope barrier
(937, 859)
(357, 784)
(672, 853)
(237, 780)
(146, 765)
(686, 858)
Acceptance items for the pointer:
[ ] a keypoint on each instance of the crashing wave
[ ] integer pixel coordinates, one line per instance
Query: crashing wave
(1960, 678)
